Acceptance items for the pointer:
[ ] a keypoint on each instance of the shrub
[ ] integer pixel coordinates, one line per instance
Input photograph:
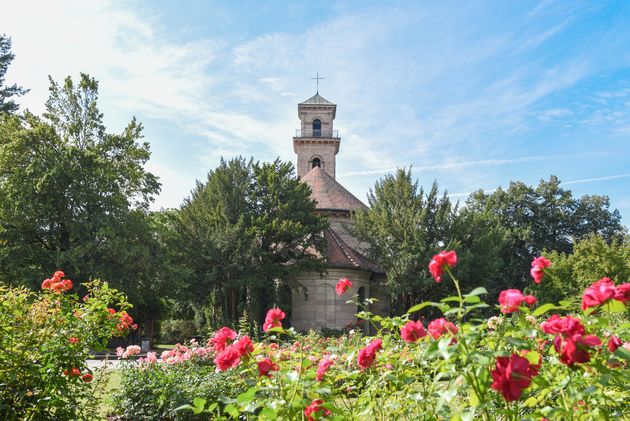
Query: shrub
(45, 339)
(153, 392)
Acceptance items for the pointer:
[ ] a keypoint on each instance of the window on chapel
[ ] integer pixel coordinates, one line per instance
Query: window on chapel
(317, 163)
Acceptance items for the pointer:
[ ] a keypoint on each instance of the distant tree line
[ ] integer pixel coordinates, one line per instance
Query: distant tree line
(496, 235)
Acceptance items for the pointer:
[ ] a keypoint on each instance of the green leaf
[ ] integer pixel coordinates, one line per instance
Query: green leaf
(473, 299)
(519, 343)
(187, 406)
(545, 308)
(622, 352)
(614, 306)
(247, 396)
(232, 411)
(199, 402)
(420, 306)
(477, 291)
(267, 414)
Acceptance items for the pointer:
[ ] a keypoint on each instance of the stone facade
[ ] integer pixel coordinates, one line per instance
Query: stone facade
(317, 305)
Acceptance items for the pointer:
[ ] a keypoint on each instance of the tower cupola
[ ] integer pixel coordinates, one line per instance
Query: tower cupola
(316, 143)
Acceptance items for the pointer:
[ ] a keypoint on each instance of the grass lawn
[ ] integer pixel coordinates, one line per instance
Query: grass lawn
(163, 347)
(106, 382)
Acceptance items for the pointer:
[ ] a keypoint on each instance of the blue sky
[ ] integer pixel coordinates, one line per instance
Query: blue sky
(471, 94)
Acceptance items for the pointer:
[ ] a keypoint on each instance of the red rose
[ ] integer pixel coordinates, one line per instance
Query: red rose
(221, 337)
(367, 355)
(47, 284)
(440, 326)
(511, 299)
(273, 319)
(244, 346)
(622, 293)
(73, 340)
(511, 376)
(436, 265)
(574, 349)
(412, 331)
(265, 366)
(227, 358)
(316, 407)
(323, 367)
(74, 372)
(87, 377)
(570, 342)
(538, 266)
(342, 286)
(613, 343)
(598, 293)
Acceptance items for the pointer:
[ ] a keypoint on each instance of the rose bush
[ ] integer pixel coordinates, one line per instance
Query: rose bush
(532, 361)
(45, 340)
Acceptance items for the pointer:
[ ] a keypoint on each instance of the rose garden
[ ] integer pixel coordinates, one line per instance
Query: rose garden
(534, 361)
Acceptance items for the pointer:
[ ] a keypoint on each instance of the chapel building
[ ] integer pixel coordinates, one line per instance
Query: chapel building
(316, 304)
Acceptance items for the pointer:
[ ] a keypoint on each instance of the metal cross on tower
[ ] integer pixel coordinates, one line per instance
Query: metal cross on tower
(317, 78)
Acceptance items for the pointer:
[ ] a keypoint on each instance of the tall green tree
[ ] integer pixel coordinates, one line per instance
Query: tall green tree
(243, 234)
(7, 105)
(592, 258)
(403, 228)
(545, 217)
(75, 197)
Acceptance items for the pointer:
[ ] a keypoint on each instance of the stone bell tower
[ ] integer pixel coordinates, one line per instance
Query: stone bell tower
(316, 143)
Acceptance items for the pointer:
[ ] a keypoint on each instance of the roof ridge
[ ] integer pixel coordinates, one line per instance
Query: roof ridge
(342, 246)
(317, 99)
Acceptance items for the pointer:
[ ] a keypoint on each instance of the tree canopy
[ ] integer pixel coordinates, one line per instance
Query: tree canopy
(7, 104)
(75, 197)
(496, 235)
(242, 235)
(403, 229)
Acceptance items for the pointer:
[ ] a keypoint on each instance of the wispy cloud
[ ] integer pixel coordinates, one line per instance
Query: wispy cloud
(594, 179)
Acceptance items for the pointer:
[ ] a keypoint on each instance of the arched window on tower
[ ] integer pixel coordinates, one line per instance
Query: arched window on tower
(317, 128)
(317, 163)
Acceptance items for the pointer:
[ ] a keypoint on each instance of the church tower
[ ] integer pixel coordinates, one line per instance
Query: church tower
(316, 143)
(315, 303)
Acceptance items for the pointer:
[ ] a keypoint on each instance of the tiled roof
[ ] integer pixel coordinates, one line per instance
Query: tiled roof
(316, 99)
(340, 255)
(328, 193)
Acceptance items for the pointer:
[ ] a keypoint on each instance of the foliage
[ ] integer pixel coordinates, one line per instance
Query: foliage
(155, 392)
(402, 227)
(242, 235)
(7, 105)
(177, 330)
(73, 195)
(545, 217)
(45, 339)
(591, 257)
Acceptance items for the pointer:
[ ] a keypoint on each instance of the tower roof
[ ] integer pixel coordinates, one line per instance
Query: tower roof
(328, 193)
(316, 99)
